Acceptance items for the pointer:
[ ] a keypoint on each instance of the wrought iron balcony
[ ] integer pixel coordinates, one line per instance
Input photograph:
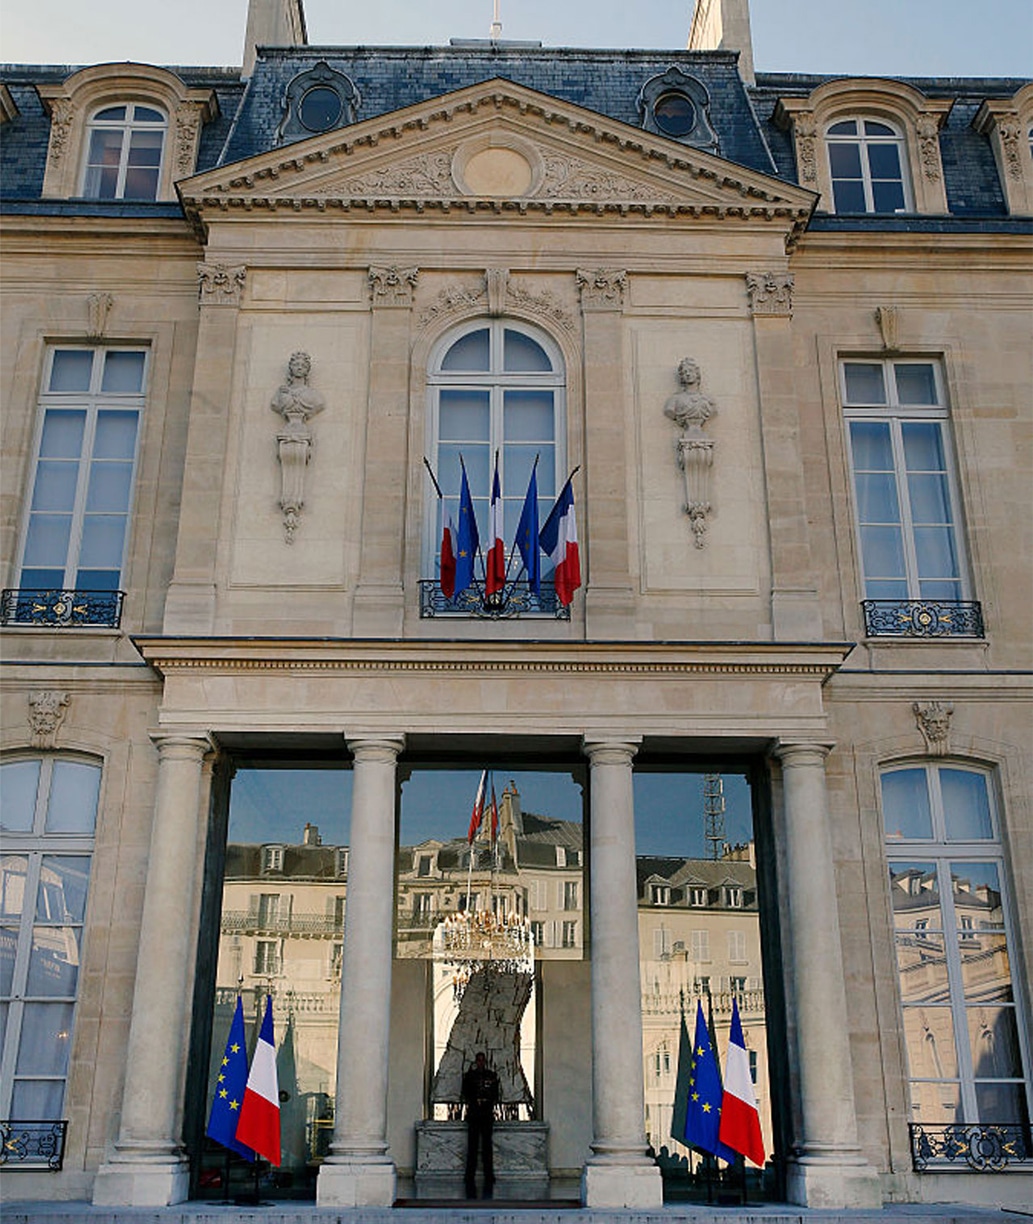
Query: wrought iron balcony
(61, 609)
(980, 1147)
(32, 1145)
(515, 599)
(922, 618)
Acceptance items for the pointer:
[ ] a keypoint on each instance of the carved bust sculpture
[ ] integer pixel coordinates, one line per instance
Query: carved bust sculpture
(689, 407)
(295, 400)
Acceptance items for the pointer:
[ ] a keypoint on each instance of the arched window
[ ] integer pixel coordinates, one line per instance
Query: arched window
(496, 387)
(866, 166)
(124, 151)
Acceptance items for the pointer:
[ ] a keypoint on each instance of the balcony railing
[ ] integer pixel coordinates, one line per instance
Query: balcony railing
(980, 1147)
(922, 618)
(244, 922)
(32, 1145)
(515, 599)
(61, 609)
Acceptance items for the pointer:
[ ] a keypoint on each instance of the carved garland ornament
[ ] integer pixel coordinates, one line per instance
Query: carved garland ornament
(392, 286)
(601, 289)
(296, 402)
(220, 285)
(1009, 131)
(47, 709)
(690, 409)
(928, 127)
(806, 131)
(770, 293)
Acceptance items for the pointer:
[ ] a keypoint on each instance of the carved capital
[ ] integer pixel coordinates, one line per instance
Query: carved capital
(98, 305)
(220, 285)
(770, 293)
(933, 719)
(392, 286)
(602, 289)
(47, 709)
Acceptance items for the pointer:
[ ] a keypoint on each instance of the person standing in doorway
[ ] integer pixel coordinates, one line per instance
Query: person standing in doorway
(480, 1094)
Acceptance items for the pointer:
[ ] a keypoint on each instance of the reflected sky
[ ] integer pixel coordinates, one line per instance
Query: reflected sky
(274, 805)
(669, 813)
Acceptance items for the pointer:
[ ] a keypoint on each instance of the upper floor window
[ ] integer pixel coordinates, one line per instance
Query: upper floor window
(866, 166)
(124, 151)
(660, 894)
(905, 492)
(82, 481)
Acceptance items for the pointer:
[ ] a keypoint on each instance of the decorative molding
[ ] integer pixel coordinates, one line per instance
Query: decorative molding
(933, 719)
(221, 285)
(186, 132)
(690, 410)
(496, 282)
(296, 402)
(426, 174)
(806, 132)
(1010, 133)
(570, 178)
(601, 289)
(453, 299)
(62, 117)
(928, 129)
(545, 304)
(392, 286)
(99, 306)
(888, 320)
(47, 709)
(770, 293)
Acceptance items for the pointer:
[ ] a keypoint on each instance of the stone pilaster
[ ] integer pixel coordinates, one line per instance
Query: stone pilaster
(619, 1173)
(827, 1167)
(358, 1172)
(190, 605)
(379, 597)
(147, 1166)
(609, 603)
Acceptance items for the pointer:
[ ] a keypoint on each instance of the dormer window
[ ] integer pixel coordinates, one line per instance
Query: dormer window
(272, 858)
(866, 159)
(677, 105)
(124, 151)
(317, 100)
(660, 894)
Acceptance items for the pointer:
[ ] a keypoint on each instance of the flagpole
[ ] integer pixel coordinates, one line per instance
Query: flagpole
(433, 479)
(509, 561)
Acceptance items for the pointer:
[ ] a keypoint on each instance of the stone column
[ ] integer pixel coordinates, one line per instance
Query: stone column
(358, 1172)
(619, 1173)
(827, 1167)
(147, 1166)
(379, 597)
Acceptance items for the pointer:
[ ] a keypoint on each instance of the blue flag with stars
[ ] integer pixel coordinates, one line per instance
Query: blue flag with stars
(229, 1089)
(703, 1109)
(467, 538)
(527, 533)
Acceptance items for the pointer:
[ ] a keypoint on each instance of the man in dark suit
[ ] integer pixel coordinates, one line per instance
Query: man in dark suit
(480, 1094)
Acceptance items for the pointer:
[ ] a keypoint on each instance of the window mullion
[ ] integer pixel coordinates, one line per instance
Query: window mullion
(955, 985)
(907, 526)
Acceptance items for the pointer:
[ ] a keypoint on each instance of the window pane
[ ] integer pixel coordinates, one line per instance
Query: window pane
(463, 416)
(528, 416)
(995, 1042)
(74, 788)
(55, 485)
(13, 870)
(887, 196)
(930, 498)
(19, 781)
(848, 195)
(966, 809)
(845, 161)
(864, 383)
(871, 128)
(45, 1039)
(929, 1034)
(985, 967)
(123, 374)
(147, 114)
(46, 542)
(116, 435)
(934, 548)
(521, 353)
(145, 148)
(40, 1100)
(109, 487)
(905, 804)
(923, 446)
(1002, 1103)
(846, 127)
(141, 185)
(884, 161)
(871, 446)
(922, 964)
(470, 352)
(111, 112)
(62, 434)
(102, 538)
(8, 948)
(940, 588)
(70, 371)
(882, 549)
(877, 498)
(916, 383)
(54, 961)
(63, 880)
(936, 1104)
(914, 895)
(517, 463)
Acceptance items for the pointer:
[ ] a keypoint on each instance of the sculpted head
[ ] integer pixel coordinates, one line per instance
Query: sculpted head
(688, 372)
(299, 365)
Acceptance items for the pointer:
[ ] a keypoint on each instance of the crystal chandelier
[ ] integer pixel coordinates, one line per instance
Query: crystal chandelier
(482, 941)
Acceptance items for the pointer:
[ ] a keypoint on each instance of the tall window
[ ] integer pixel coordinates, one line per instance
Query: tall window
(48, 815)
(123, 158)
(866, 165)
(496, 387)
(82, 485)
(904, 487)
(965, 1040)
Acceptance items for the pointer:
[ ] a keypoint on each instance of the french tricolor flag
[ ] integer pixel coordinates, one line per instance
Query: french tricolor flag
(558, 539)
(495, 559)
(740, 1120)
(259, 1125)
(477, 815)
(448, 559)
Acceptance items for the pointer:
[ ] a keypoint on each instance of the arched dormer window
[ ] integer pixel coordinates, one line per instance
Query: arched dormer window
(495, 387)
(124, 152)
(867, 158)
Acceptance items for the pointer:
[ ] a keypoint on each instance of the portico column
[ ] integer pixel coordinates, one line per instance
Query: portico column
(619, 1172)
(827, 1167)
(358, 1172)
(147, 1166)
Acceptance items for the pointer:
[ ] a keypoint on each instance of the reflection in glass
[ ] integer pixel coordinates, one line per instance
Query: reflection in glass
(1002, 1103)
(985, 969)
(936, 1104)
(995, 1042)
(929, 1036)
(966, 805)
(46, 1038)
(19, 781)
(915, 897)
(905, 804)
(922, 964)
(54, 961)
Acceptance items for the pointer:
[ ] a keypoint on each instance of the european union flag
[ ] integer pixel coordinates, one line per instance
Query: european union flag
(527, 533)
(703, 1110)
(229, 1089)
(467, 537)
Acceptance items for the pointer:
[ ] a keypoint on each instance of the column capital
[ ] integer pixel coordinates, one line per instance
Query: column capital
(392, 286)
(610, 749)
(372, 747)
(221, 284)
(182, 745)
(791, 752)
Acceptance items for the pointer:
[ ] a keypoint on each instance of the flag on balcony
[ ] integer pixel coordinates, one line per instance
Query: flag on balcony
(681, 1082)
(495, 561)
(527, 533)
(740, 1119)
(478, 809)
(259, 1125)
(229, 1089)
(448, 559)
(703, 1111)
(558, 539)
(467, 537)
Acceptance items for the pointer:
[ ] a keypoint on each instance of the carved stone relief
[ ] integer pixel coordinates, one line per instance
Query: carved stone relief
(98, 305)
(188, 129)
(806, 132)
(220, 285)
(601, 289)
(770, 293)
(496, 283)
(934, 721)
(392, 286)
(888, 319)
(47, 709)
(62, 117)
(690, 410)
(928, 127)
(1009, 130)
(427, 174)
(296, 402)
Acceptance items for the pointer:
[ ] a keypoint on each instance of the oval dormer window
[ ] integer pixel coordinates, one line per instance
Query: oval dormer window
(675, 114)
(320, 109)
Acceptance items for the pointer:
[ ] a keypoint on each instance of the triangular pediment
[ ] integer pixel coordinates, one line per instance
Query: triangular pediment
(495, 146)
